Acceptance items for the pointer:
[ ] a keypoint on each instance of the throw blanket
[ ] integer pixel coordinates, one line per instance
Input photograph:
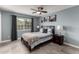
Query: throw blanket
(30, 38)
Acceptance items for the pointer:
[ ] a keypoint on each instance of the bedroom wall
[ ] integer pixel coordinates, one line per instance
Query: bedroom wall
(0, 25)
(69, 18)
(36, 23)
(6, 24)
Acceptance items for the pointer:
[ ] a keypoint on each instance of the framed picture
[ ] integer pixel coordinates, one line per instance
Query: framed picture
(52, 18)
(45, 19)
(49, 19)
(41, 21)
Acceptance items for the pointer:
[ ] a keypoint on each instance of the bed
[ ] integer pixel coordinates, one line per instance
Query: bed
(33, 39)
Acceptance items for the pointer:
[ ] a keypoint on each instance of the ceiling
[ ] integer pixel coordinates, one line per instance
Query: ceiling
(26, 9)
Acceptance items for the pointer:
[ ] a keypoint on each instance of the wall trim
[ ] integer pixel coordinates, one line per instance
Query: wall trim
(71, 45)
(8, 40)
(5, 41)
(18, 38)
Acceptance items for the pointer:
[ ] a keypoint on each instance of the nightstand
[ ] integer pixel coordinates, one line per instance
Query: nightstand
(58, 39)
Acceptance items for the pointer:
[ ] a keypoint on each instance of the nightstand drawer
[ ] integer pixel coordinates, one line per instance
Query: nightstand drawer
(58, 39)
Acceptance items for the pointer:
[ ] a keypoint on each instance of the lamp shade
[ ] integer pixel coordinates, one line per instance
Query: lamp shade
(59, 30)
(38, 26)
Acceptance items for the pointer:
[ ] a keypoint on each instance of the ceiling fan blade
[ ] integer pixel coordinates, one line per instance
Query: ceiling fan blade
(34, 9)
(44, 11)
(33, 12)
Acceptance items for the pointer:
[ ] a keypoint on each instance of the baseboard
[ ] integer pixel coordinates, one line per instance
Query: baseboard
(18, 38)
(5, 41)
(71, 45)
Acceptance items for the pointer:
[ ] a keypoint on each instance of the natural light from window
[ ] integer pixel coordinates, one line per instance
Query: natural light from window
(23, 23)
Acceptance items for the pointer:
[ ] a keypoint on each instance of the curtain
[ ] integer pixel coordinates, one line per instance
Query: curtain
(14, 28)
(32, 27)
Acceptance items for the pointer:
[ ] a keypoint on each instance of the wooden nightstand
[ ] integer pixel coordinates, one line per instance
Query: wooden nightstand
(58, 39)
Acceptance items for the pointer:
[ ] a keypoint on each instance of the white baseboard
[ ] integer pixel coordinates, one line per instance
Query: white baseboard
(71, 45)
(18, 38)
(5, 41)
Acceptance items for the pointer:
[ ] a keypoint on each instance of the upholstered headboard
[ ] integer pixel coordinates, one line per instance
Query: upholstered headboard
(51, 27)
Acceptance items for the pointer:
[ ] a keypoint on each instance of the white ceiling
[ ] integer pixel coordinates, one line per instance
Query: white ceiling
(26, 9)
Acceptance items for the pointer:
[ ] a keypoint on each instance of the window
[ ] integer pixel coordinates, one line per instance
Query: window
(23, 23)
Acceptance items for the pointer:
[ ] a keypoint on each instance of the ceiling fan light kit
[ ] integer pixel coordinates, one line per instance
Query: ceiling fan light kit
(39, 10)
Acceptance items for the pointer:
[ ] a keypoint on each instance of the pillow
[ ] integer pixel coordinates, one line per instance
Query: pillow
(49, 30)
(41, 30)
(53, 31)
(44, 30)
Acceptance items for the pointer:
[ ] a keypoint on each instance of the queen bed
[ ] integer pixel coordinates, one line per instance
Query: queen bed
(33, 39)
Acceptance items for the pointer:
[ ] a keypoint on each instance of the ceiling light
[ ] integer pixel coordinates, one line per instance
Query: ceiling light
(38, 12)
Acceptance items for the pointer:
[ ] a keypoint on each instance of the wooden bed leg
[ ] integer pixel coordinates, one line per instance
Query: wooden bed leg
(29, 47)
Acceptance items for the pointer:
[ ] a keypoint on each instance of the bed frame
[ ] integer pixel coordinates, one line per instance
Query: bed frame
(26, 43)
(29, 47)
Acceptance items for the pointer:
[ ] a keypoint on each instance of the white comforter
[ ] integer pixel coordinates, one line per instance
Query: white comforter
(34, 36)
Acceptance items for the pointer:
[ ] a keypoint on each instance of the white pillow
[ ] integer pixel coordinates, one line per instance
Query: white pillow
(49, 30)
(41, 30)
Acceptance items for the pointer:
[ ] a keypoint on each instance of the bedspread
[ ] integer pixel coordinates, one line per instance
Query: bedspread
(30, 38)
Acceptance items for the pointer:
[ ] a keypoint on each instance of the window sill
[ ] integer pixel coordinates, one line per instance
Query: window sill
(24, 30)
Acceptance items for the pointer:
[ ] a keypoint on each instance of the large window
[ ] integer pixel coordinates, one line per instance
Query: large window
(23, 23)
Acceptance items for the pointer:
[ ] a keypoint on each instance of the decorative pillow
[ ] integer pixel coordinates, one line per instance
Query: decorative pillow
(53, 31)
(44, 30)
(49, 30)
(41, 30)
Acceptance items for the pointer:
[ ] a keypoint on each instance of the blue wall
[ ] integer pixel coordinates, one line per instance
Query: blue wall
(69, 18)
(6, 22)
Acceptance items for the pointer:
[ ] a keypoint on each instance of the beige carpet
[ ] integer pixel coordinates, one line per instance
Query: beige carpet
(17, 47)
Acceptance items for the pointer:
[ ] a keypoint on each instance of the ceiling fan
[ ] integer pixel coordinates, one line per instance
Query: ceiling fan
(39, 10)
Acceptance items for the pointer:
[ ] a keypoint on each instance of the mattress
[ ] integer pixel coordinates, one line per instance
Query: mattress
(35, 38)
(42, 40)
(37, 34)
